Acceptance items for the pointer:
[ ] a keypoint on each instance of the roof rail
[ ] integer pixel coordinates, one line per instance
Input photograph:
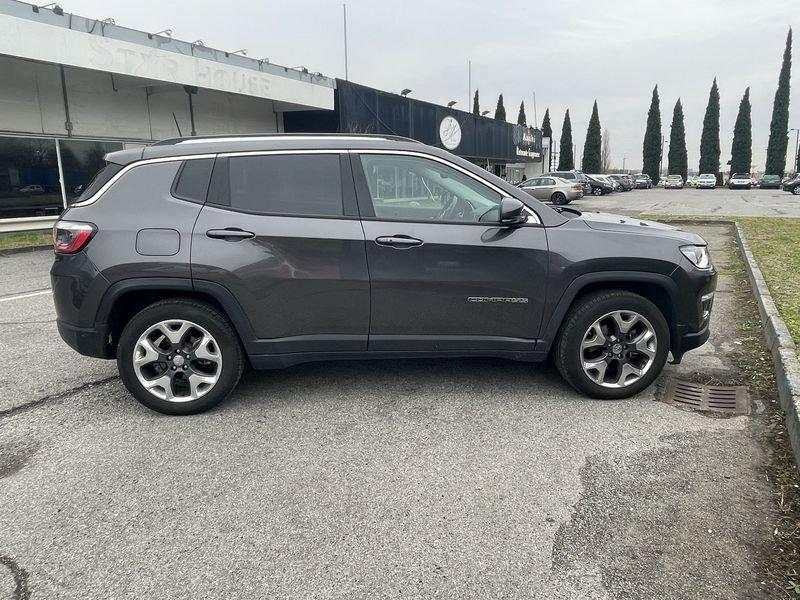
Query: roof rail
(256, 136)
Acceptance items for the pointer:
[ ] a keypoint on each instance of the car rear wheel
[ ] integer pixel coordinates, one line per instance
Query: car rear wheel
(179, 357)
(612, 344)
(796, 190)
(558, 198)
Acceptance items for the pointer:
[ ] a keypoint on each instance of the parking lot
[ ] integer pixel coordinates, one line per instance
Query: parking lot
(691, 201)
(413, 479)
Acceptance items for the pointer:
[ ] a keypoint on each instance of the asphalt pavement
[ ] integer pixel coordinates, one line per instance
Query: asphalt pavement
(396, 479)
(693, 202)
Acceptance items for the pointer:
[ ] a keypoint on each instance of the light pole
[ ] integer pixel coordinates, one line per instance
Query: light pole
(664, 142)
(796, 164)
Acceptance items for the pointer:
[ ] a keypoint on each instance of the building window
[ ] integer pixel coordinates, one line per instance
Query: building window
(81, 160)
(29, 185)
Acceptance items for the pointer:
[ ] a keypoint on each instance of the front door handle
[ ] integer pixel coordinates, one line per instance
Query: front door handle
(398, 241)
(230, 234)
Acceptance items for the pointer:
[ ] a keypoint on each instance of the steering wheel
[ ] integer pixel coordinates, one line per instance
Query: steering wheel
(457, 209)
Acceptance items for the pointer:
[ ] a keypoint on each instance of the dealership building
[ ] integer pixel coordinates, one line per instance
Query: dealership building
(74, 88)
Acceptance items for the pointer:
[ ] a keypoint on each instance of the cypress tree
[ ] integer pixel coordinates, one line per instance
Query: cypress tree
(547, 132)
(651, 148)
(778, 127)
(521, 119)
(709, 140)
(678, 161)
(500, 111)
(476, 106)
(592, 148)
(742, 147)
(566, 160)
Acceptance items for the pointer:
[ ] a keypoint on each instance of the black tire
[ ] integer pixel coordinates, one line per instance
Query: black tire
(581, 316)
(597, 191)
(205, 316)
(558, 199)
(796, 190)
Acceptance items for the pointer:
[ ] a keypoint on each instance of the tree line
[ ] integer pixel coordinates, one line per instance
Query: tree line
(596, 146)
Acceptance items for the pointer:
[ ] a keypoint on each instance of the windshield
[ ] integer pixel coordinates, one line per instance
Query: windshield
(707, 176)
(741, 176)
(674, 177)
(771, 177)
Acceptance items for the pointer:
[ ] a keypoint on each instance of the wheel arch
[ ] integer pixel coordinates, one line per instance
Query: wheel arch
(126, 298)
(659, 289)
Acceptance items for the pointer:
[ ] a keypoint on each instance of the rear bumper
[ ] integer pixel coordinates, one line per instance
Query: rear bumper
(88, 341)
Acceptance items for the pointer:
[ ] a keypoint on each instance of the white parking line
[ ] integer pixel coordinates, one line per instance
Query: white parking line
(29, 295)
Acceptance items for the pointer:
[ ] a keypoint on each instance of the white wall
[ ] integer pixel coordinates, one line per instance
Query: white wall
(58, 45)
(30, 97)
(103, 105)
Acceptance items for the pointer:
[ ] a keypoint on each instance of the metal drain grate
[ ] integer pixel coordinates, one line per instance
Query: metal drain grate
(727, 399)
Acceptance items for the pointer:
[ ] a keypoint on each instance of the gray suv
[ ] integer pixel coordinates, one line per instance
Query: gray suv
(187, 259)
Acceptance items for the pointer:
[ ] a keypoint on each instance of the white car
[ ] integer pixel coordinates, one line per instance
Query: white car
(32, 189)
(707, 181)
(673, 182)
(740, 180)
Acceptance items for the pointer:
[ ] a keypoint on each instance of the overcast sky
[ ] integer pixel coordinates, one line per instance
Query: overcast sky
(568, 52)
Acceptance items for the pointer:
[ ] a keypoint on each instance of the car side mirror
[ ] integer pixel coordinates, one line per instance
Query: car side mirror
(511, 211)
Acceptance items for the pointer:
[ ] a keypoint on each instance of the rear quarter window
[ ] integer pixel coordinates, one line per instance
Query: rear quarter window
(191, 183)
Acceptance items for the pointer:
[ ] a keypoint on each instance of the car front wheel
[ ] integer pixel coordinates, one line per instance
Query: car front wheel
(597, 191)
(612, 344)
(179, 357)
(796, 190)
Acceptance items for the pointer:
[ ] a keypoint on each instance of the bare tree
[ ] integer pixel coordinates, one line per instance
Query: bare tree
(605, 153)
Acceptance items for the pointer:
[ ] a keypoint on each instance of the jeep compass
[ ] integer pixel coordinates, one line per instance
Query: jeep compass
(187, 259)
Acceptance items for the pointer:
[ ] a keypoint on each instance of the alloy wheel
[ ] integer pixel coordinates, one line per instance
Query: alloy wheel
(618, 349)
(177, 360)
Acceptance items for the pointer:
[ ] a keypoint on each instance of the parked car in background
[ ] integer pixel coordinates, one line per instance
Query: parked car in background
(740, 181)
(599, 186)
(642, 181)
(32, 189)
(674, 182)
(707, 181)
(553, 189)
(624, 181)
(793, 186)
(770, 182)
(573, 176)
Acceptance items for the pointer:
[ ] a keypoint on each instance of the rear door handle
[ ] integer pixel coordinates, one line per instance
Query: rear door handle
(398, 241)
(230, 234)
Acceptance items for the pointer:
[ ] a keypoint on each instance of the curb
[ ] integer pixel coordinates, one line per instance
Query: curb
(780, 343)
(21, 249)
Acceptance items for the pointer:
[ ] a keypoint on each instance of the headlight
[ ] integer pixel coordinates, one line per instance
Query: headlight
(698, 255)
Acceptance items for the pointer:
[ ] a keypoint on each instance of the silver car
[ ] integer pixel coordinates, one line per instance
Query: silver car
(674, 182)
(553, 189)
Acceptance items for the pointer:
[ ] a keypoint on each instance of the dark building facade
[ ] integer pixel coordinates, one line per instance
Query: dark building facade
(484, 141)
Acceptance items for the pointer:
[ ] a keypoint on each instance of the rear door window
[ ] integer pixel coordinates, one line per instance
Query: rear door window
(280, 184)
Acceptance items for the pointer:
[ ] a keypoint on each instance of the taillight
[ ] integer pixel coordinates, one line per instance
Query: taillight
(70, 237)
